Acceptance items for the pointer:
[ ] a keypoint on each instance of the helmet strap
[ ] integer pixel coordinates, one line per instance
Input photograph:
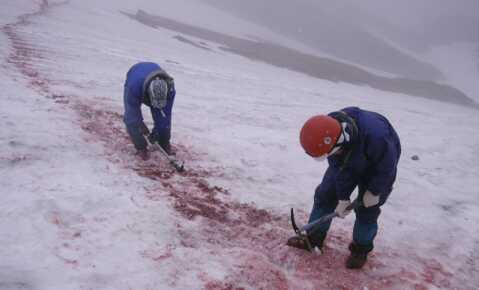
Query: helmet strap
(349, 131)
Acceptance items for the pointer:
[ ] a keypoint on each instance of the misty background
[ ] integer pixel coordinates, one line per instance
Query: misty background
(384, 35)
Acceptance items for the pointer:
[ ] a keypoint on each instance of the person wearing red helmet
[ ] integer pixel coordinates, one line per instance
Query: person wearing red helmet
(363, 150)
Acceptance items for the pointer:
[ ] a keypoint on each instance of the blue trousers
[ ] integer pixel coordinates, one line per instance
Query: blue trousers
(366, 224)
(133, 118)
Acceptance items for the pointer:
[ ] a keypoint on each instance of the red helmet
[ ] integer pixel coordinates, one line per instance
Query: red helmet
(319, 135)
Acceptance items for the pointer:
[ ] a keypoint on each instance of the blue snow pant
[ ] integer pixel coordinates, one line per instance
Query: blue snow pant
(366, 224)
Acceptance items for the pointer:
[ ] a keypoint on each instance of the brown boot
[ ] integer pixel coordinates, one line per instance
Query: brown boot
(358, 256)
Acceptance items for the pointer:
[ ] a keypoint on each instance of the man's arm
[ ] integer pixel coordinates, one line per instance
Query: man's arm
(134, 120)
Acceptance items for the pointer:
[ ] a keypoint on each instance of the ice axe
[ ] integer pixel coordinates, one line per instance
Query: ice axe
(312, 227)
(173, 162)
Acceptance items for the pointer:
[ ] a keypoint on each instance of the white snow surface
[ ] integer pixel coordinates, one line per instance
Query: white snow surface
(79, 211)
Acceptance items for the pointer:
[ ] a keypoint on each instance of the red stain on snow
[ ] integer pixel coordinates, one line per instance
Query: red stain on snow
(16, 159)
(24, 54)
(253, 237)
(217, 285)
(71, 262)
(256, 235)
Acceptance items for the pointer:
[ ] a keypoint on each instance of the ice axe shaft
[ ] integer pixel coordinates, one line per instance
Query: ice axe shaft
(179, 167)
(313, 226)
(299, 233)
(173, 162)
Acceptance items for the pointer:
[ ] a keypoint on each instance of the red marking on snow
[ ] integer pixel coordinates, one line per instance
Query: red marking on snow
(55, 218)
(218, 285)
(56, 221)
(70, 261)
(155, 194)
(65, 102)
(16, 159)
(253, 237)
(24, 54)
(259, 272)
(257, 235)
(155, 173)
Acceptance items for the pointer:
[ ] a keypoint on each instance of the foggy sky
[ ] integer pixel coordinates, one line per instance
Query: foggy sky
(439, 21)
(436, 22)
(415, 13)
(373, 33)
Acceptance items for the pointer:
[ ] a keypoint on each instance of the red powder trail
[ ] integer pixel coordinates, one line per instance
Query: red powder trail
(253, 237)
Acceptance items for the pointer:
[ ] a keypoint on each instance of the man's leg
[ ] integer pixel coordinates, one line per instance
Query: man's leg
(324, 203)
(364, 232)
(161, 132)
(162, 128)
(162, 137)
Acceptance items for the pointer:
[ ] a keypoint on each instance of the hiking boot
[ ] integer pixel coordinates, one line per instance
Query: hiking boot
(358, 256)
(315, 240)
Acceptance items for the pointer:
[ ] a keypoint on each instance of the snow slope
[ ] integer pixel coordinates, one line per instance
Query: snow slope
(79, 211)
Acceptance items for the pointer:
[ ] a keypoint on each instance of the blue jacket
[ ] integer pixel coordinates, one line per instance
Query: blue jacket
(371, 161)
(135, 94)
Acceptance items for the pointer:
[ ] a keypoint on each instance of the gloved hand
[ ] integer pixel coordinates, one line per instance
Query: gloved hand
(143, 154)
(341, 208)
(369, 199)
(144, 129)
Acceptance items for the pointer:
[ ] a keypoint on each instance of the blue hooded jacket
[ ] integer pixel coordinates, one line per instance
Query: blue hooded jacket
(135, 94)
(370, 160)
